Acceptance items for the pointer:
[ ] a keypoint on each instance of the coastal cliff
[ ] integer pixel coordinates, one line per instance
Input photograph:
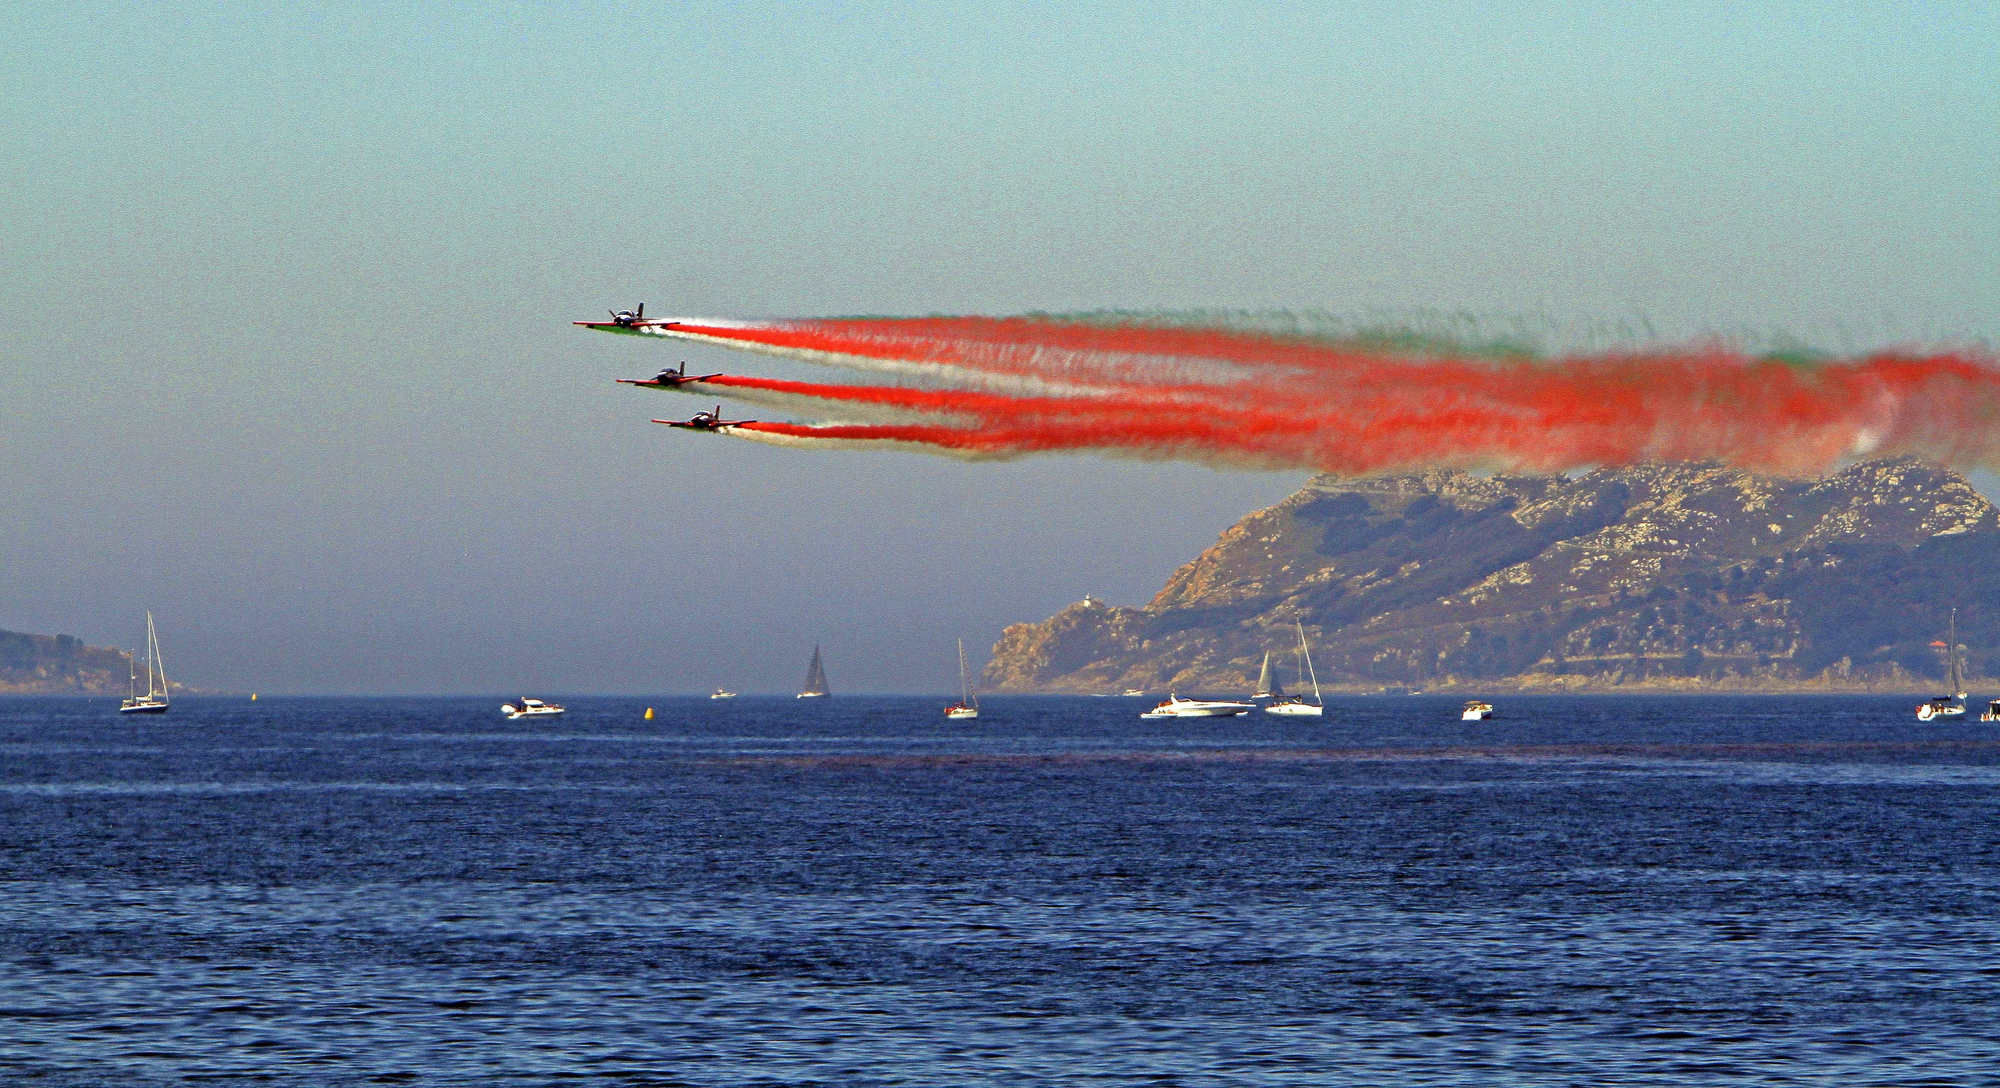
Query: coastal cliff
(59, 665)
(1665, 576)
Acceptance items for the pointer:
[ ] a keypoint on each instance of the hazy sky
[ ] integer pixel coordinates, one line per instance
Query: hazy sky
(287, 355)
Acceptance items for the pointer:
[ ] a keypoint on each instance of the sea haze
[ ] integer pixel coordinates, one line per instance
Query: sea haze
(1584, 890)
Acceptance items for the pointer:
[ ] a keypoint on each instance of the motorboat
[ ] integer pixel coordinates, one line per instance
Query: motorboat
(1135, 693)
(1296, 706)
(531, 708)
(156, 700)
(1177, 707)
(1992, 712)
(967, 706)
(1476, 711)
(720, 693)
(1952, 703)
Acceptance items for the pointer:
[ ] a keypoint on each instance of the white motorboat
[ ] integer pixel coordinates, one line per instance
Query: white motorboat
(722, 694)
(968, 704)
(815, 687)
(531, 708)
(1992, 712)
(1135, 693)
(1476, 711)
(1177, 707)
(1295, 706)
(156, 699)
(1952, 703)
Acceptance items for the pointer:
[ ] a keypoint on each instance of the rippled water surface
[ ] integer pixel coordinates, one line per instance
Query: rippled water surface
(1583, 891)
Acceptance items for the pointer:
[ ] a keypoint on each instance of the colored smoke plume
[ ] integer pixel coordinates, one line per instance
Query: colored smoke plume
(1351, 402)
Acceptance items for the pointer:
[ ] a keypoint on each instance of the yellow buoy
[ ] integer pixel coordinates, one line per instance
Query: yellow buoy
(253, 696)
(649, 713)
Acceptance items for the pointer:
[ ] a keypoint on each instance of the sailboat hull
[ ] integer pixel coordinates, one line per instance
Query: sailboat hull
(144, 708)
(1295, 710)
(812, 695)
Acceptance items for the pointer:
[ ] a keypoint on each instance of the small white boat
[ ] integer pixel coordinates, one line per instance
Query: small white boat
(1177, 707)
(1476, 711)
(1992, 712)
(967, 706)
(1944, 706)
(531, 708)
(1135, 693)
(1295, 706)
(721, 694)
(1951, 704)
(156, 700)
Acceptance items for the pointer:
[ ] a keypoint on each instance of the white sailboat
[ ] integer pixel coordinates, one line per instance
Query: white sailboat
(1952, 703)
(1267, 685)
(815, 687)
(156, 700)
(1295, 706)
(968, 703)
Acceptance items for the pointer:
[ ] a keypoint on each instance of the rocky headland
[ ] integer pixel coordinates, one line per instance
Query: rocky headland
(60, 665)
(1684, 577)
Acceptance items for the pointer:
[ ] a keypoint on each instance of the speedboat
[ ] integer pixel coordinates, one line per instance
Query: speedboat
(722, 694)
(1177, 707)
(1992, 712)
(1135, 693)
(531, 708)
(1476, 711)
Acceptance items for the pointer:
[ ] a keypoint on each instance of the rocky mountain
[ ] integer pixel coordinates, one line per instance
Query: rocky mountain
(1679, 576)
(59, 665)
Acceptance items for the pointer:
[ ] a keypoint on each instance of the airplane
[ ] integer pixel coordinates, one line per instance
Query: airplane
(670, 378)
(706, 421)
(627, 320)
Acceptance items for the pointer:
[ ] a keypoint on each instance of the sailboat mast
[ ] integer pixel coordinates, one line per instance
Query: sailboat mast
(964, 678)
(1309, 661)
(153, 659)
(1951, 652)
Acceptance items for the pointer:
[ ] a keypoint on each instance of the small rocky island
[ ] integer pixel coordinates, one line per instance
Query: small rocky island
(1672, 577)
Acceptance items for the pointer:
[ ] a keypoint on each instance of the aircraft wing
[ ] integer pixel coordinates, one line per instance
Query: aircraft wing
(636, 326)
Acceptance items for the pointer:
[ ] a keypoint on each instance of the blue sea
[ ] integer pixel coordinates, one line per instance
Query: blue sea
(1583, 891)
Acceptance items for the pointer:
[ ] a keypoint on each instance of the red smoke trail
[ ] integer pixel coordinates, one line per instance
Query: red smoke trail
(1245, 397)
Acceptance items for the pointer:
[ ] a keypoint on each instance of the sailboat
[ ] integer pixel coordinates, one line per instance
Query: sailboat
(1952, 703)
(1267, 685)
(815, 679)
(1295, 706)
(155, 700)
(968, 703)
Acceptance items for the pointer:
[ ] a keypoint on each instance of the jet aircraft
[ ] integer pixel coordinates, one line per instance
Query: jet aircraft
(706, 421)
(627, 321)
(670, 378)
